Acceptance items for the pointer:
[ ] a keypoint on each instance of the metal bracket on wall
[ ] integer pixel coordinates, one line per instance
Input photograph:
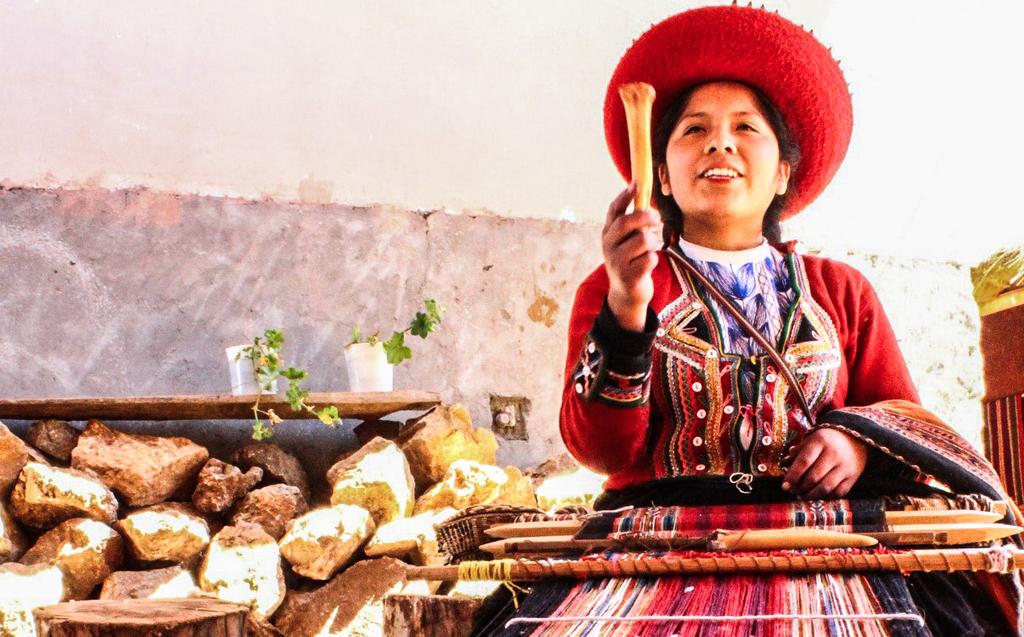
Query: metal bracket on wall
(508, 416)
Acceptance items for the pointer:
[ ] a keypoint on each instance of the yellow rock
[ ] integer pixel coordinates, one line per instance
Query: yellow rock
(468, 483)
(320, 542)
(168, 532)
(518, 489)
(475, 589)
(45, 496)
(12, 541)
(580, 487)
(243, 565)
(446, 434)
(411, 539)
(172, 582)
(377, 478)
(23, 589)
(86, 550)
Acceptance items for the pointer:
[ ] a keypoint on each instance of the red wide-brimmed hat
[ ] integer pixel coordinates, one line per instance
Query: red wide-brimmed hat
(756, 47)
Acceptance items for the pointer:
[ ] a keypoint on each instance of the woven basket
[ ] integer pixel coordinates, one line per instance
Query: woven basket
(460, 537)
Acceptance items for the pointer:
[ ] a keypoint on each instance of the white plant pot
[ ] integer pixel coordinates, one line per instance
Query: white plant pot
(243, 377)
(368, 368)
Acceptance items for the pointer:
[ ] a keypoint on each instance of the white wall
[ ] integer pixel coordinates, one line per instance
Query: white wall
(488, 104)
(99, 301)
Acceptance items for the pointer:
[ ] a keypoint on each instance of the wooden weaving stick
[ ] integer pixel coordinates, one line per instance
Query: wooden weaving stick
(998, 506)
(637, 99)
(943, 534)
(1003, 559)
(942, 516)
(534, 529)
(754, 540)
(769, 539)
(924, 516)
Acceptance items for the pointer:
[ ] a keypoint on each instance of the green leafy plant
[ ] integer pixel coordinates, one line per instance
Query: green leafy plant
(395, 348)
(268, 366)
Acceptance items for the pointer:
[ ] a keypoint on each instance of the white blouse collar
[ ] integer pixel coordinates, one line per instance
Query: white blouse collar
(733, 257)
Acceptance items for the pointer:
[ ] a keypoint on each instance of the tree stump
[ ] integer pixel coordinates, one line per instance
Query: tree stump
(143, 618)
(429, 615)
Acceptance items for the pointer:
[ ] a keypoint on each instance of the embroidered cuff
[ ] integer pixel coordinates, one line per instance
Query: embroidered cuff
(628, 352)
(615, 364)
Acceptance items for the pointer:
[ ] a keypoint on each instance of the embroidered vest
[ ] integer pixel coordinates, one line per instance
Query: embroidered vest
(723, 414)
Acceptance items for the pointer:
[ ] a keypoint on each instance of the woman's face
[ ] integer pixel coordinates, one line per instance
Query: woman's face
(722, 162)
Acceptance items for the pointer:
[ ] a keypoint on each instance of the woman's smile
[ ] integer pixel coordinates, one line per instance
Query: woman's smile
(720, 174)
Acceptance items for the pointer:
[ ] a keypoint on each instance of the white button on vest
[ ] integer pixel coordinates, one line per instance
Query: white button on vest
(770, 378)
(579, 388)
(591, 347)
(700, 467)
(712, 353)
(762, 468)
(701, 413)
(698, 441)
(728, 409)
(660, 332)
(767, 440)
(696, 387)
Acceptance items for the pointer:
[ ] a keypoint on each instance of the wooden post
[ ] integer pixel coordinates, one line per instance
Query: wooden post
(143, 618)
(999, 292)
(429, 615)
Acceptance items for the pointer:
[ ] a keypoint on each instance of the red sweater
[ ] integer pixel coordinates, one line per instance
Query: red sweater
(667, 402)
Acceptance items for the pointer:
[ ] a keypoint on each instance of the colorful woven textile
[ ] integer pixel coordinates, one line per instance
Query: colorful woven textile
(668, 522)
(1004, 442)
(919, 439)
(852, 515)
(725, 606)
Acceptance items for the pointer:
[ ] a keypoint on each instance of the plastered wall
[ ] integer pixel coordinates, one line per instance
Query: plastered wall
(133, 292)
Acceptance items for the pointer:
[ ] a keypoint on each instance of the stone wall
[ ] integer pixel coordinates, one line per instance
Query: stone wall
(134, 292)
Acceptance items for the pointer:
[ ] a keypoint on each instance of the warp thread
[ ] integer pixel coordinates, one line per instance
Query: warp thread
(791, 617)
(736, 601)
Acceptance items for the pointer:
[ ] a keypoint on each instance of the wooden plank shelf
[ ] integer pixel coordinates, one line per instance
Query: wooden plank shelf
(355, 405)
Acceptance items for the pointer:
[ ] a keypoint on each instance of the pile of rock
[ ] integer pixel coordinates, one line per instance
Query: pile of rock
(101, 513)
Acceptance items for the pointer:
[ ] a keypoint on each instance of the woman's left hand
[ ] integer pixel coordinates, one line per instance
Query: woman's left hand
(825, 465)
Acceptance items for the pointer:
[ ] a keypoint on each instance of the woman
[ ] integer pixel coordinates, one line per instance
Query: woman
(665, 391)
(719, 159)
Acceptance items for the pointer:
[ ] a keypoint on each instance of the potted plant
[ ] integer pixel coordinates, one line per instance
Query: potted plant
(267, 367)
(371, 360)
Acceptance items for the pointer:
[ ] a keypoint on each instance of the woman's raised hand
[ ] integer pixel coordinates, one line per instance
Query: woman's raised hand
(826, 464)
(630, 243)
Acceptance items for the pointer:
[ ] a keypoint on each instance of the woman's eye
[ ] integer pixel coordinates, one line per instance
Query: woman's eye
(745, 126)
(692, 129)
